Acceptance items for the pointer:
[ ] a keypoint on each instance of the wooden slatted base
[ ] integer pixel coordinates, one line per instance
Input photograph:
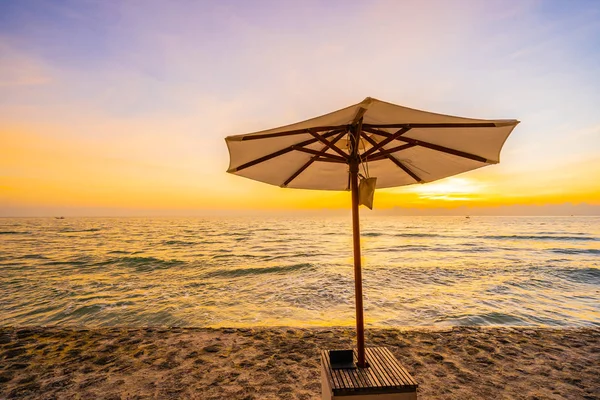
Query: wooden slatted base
(383, 379)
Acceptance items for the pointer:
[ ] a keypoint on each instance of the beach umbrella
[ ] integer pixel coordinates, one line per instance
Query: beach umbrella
(392, 146)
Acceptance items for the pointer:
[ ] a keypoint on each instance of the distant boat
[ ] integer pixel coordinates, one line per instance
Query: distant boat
(59, 217)
(467, 217)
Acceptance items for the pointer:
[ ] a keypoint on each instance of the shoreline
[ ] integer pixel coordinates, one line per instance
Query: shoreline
(283, 362)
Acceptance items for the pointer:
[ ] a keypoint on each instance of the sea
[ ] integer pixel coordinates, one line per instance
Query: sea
(298, 271)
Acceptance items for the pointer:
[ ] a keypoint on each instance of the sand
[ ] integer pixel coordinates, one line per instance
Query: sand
(282, 363)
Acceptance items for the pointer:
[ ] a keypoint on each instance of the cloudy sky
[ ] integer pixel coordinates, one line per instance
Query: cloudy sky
(117, 107)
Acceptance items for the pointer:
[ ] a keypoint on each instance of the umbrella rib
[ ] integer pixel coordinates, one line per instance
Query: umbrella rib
(329, 160)
(386, 154)
(405, 168)
(359, 115)
(314, 158)
(383, 152)
(331, 157)
(291, 133)
(436, 147)
(385, 141)
(436, 125)
(327, 143)
(280, 152)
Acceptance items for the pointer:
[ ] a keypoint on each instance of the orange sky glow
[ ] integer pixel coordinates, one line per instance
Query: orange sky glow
(131, 115)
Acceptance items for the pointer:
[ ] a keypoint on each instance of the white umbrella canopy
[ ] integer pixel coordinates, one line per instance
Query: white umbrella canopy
(401, 146)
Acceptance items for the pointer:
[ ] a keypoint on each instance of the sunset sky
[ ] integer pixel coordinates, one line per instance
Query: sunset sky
(121, 107)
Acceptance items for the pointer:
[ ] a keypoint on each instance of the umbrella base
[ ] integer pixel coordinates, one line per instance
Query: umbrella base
(383, 379)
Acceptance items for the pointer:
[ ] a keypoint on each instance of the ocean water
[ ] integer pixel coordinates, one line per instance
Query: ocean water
(417, 271)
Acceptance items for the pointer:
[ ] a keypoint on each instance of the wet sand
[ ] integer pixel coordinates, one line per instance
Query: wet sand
(283, 363)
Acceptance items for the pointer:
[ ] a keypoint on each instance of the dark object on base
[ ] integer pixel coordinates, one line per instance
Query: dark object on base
(341, 359)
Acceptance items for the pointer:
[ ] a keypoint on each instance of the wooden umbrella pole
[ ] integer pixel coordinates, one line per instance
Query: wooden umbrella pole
(360, 324)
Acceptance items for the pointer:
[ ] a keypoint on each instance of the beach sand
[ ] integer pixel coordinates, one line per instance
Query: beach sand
(283, 363)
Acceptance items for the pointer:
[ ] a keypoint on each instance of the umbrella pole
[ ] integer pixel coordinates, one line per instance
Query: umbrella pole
(360, 324)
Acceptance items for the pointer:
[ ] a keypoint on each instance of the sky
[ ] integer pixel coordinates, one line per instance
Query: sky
(121, 107)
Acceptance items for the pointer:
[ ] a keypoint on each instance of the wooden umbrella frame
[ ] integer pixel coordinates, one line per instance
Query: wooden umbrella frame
(329, 136)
